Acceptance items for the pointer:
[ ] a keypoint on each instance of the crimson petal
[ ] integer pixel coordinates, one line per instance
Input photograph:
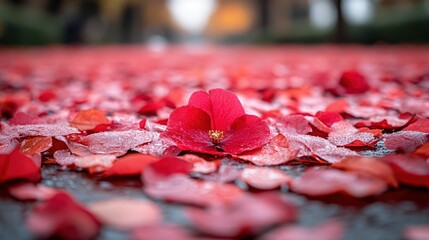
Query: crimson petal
(222, 106)
(188, 127)
(246, 133)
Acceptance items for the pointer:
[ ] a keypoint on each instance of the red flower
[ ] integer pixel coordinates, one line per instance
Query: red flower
(215, 123)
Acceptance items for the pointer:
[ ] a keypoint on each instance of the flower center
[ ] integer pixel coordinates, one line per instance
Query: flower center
(216, 136)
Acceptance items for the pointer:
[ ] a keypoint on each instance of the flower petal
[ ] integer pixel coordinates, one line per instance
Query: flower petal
(188, 127)
(246, 133)
(222, 106)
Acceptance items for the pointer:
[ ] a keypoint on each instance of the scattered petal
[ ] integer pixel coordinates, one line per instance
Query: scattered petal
(264, 178)
(62, 217)
(416, 232)
(34, 145)
(248, 214)
(161, 232)
(117, 143)
(17, 166)
(409, 170)
(320, 182)
(369, 165)
(332, 230)
(129, 165)
(405, 141)
(276, 152)
(89, 119)
(125, 213)
(30, 191)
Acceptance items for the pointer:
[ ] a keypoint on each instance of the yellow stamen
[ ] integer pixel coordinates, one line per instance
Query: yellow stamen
(216, 136)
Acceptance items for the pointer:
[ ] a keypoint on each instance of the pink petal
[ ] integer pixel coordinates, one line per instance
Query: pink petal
(344, 134)
(161, 232)
(372, 166)
(125, 213)
(29, 191)
(47, 130)
(310, 145)
(332, 230)
(181, 188)
(117, 143)
(405, 141)
(93, 162)
(64, 218)
(416, 232)
(189, 128)
(294, 124)
(264, 178)
(249, 214)
(200, 165)
(222, 106)
(320, 182)
(276, 152)
(245, 133)
(409, 170)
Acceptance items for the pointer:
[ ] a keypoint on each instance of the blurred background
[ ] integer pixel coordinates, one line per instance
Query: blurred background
(35, 22)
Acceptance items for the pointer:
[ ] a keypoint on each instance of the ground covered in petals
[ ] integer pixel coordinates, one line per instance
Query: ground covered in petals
(214, 143)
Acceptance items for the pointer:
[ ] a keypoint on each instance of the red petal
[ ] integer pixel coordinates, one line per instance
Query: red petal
(423, 150)
(421, 125)
(62, 217)
(89, 119)
(15, 166)
(320, 182)
(405, 141)
(409, 170)
(170, 165)
(264, 178)
(368, 165)
(329, 118)
(222, 106)
(21, 118)
(353, 82)
(332, 230)
(276, 152)
(129, 165)
(189, 128)
(245, 133)
(248, 214)
(125, 213)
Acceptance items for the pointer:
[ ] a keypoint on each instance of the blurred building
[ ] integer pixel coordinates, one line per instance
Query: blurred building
(136, 21)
